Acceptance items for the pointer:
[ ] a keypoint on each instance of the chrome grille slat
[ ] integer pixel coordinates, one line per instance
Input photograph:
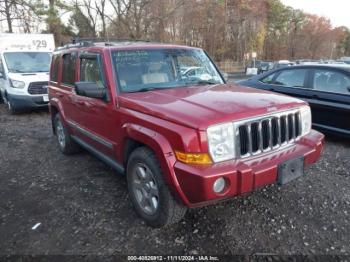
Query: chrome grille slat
(260, 135)
(250, 150)
(266, 133)
(270, 133)
(293, 125)
(286, 139)
(279, 131)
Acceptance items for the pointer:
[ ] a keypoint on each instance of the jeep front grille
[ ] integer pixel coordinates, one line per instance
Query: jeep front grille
(37, 88)
(262, 134)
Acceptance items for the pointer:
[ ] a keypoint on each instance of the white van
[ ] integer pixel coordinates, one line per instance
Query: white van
(24, 69)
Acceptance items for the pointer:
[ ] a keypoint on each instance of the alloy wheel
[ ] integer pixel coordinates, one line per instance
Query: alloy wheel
(145, 189)
(60, 134)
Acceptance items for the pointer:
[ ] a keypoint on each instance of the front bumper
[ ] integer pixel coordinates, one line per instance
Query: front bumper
(243, 175)
(26, 101)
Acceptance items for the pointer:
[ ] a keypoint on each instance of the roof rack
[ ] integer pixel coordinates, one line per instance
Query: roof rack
(85, 42)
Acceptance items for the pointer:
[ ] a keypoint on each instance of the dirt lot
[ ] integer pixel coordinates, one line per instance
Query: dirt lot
(83, 205)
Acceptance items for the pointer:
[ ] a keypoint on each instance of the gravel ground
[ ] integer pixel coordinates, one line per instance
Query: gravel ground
(84, 208)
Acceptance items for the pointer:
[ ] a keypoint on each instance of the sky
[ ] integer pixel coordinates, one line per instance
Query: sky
(338, 11)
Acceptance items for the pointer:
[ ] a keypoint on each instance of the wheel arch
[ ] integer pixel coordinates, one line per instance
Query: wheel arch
(136, 136)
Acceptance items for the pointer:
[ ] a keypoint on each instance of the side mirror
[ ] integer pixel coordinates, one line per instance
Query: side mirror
(90, 89)
(348, 88)
(1, 75)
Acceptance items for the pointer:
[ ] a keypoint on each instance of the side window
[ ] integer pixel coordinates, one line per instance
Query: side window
(68, 69)
(291, 78)
(54, 68)
(91, 71)
(331, 81)
(268, 79)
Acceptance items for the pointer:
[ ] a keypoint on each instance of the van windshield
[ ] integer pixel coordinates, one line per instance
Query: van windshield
(144, 70)
(27, 62)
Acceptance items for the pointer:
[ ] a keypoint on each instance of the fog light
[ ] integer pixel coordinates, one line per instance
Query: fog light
(219, 185)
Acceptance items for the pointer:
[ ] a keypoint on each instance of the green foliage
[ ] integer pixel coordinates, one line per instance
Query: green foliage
(82, 23)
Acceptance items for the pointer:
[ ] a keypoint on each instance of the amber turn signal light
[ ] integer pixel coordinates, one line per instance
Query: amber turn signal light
(193, 158)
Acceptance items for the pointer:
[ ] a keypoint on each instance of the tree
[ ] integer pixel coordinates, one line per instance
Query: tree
(85, 24)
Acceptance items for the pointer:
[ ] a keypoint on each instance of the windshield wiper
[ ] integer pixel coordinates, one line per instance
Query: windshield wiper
(16, 71)
(146, 89)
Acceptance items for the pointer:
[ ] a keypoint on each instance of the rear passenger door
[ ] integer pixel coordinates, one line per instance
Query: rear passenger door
(332, 92)
(66, 81)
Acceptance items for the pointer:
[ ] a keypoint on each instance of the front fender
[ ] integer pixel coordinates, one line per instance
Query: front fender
(160, 145)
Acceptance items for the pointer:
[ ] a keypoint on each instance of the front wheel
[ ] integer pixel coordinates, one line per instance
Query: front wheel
(11, 107)
(148, 191)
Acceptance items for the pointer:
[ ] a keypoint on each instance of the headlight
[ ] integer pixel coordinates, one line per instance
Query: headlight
(305, 120)
(221, 142)
(17, 84)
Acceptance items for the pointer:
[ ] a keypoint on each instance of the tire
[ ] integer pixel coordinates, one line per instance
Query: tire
(148, 191)
(1, 98)
(11, 108)
(64, 140)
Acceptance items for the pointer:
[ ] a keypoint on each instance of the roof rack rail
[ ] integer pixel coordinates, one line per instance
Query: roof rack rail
(84, 42)
(103, 39)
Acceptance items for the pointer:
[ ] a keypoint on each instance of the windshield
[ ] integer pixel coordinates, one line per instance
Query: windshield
(143, 70)
(27, 62)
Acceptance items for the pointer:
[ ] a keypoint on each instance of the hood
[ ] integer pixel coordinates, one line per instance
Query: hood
(201, 106)
(29, 77)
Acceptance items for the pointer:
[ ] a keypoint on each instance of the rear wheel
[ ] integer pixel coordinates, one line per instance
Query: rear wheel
(65, 142)
(148, 191)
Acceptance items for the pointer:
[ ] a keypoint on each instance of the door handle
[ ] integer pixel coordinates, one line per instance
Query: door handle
(60, 95)
(80, 103)
(315, 96)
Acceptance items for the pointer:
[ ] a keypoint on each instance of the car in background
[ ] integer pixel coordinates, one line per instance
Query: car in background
(195, 72)
(252, 68)
(325, 88)
(345, 60)
(332, 62)
(282, 64)
(264, 67)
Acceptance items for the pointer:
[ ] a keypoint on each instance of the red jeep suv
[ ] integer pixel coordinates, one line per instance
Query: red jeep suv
(163, 115)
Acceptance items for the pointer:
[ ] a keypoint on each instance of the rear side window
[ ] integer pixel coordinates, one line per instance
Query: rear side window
(291, 78)
(68, 69)
(331, 81)
(54, 68)
(91, 71)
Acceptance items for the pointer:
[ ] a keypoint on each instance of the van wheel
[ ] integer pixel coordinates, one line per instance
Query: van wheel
(11, 108)
(148, 191)
(65, 142)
